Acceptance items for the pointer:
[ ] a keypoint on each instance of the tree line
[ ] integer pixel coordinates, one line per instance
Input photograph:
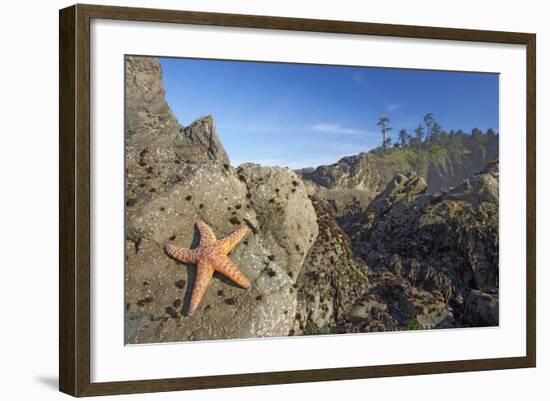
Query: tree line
(430, 131)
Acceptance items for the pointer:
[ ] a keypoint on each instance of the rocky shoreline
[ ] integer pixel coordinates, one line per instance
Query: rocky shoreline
(371, 252)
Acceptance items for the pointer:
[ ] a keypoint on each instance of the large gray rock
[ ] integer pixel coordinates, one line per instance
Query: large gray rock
(282, 205)
(155, 142)
(271, 201)
(481, 187)
(402, 186)
(146, 106)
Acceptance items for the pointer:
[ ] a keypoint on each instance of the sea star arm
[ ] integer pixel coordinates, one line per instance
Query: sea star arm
(202, 280)
(182, 254)
(226, 245)
(222, 264)
(207, 235)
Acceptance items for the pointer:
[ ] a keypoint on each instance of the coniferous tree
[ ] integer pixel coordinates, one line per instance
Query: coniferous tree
(404, 138)
(428, 120)
(383, 122)
(419, 131)
(435, 132)
(477, 136)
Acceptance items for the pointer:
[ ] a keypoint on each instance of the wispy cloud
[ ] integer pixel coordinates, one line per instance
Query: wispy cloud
(360, 79)
(254, 128)
(336, 129)
(394, 106)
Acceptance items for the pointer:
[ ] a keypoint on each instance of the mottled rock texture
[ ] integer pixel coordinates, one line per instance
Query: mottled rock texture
(445, 245)
(282, 226)
(331, 279)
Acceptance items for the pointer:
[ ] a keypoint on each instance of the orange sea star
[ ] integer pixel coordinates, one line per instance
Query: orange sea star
(210, 256)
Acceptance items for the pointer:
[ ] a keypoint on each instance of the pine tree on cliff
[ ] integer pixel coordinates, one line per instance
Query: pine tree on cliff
(491, 134)
(404, 138)
(383, 122)
(428, 120)
(419, 131)
(436, 132)
(478, 137)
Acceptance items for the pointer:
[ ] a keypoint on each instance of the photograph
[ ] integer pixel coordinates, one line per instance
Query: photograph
(272, 199)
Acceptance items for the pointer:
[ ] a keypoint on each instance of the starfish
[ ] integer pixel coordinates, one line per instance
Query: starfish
(210, 256)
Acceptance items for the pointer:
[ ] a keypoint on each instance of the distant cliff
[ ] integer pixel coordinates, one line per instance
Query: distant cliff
(443, 162)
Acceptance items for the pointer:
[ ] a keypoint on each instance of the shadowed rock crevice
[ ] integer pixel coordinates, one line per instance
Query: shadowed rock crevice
(331, 279)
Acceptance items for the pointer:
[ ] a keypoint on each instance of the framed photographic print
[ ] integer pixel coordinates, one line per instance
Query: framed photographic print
(280, 200)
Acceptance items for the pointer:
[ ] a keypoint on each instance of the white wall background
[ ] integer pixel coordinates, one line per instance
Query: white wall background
(29, 184)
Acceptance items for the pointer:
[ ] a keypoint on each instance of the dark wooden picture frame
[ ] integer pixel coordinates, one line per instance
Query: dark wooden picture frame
(74, 202)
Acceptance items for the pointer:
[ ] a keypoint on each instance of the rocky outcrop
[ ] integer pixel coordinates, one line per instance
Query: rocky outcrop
(146, 107)
(331, 279)
(352, 172)
(155, 141)
(176, 176)
(285, 213)
(401, 187)
(445, 246)
(354, 181)
(392, 304)
(271, 201)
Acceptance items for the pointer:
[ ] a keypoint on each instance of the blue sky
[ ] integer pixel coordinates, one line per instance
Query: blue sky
(299, 115)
